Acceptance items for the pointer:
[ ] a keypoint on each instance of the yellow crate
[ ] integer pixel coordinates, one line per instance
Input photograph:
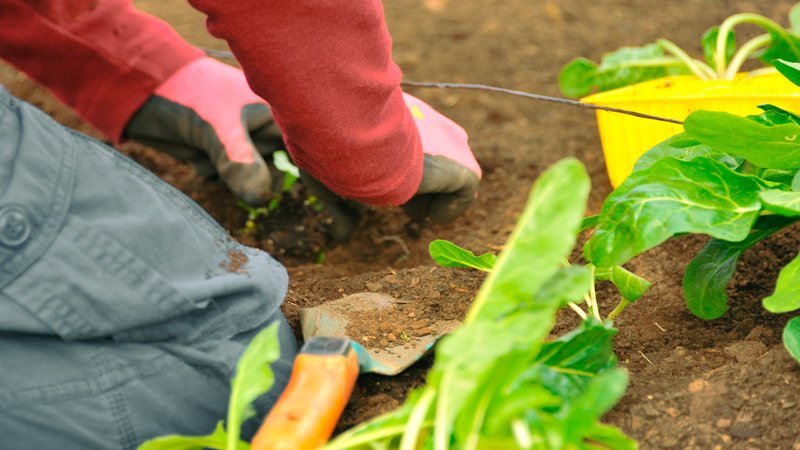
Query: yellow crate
(626, 138)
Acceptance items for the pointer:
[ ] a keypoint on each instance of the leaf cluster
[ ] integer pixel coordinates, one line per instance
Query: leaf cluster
(498, 381)
(732, 178)
(721, 60)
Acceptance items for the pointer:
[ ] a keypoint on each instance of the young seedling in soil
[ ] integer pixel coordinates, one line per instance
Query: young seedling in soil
(497, 381)
(732, 178)
(631, 65)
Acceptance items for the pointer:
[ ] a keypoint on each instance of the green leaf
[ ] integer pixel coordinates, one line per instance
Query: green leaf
(253, 378)
(571, 361)
(542, 239)
(672, 197)
(709, 42)
(685, 148)
(577, 78)
(630, 285)
(796, 182)
(602, 393)
(215, 440)
(569, 284)
(790, 70)
(773, 115)
(708, 275)
(623, 67)
(784, 45)
(588, 223)
(282, 162)
(611, 437)
(781, 202)
(791, 338)
(773, 147)
(447, 254)
(787, 290)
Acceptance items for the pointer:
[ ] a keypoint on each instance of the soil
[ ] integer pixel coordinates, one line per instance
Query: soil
(726, 383)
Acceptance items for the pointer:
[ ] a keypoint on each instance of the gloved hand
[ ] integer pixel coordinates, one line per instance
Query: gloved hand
(206, 114)
(450, 177)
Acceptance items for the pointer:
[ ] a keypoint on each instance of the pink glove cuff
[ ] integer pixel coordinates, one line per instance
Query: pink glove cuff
(217, 93)
(441, 136)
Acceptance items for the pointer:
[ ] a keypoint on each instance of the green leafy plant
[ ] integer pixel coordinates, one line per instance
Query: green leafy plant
(497, 381)
(631, 65)
(732, 178)
(253, 378)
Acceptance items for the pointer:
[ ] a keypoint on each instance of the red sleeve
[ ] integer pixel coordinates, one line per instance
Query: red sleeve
(325, 67)
(102, 58)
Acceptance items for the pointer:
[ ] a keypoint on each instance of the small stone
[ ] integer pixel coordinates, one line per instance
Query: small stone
(669, 442)
(372, 286)
(726, 439)
(391, 337)
(698, 385)
(673, 412)
(745, 430)
(723, 423)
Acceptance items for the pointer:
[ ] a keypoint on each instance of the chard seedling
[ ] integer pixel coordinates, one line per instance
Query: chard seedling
(498, 382)
(732, 178)
(631, 65)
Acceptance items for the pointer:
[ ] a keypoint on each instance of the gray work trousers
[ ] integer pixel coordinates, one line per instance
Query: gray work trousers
(123, 306)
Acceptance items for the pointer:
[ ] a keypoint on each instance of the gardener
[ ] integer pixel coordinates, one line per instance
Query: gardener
(123, 306)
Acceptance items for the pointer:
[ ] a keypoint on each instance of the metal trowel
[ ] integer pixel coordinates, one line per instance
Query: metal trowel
(326, 369)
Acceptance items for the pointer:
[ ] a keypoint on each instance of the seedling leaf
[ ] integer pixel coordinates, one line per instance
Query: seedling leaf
(216, 440)
(787, 290)
(790, 70)
(630, 285)
(447, 254)
(685, 148)
(774, 147)
(709, 43)
(791, 338)
(708, 275)
(253, 378)
(672, 197)
(781, 202)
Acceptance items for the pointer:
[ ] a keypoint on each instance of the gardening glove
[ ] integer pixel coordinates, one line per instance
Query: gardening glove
(205, 113)
(450, 177)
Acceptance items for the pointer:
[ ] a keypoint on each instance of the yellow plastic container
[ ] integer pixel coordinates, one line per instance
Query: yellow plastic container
(625, 138)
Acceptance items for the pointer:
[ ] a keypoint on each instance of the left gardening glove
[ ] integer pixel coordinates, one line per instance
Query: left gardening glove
(206, 114)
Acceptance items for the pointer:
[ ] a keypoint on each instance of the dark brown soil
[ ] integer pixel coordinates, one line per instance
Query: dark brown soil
(727, 383)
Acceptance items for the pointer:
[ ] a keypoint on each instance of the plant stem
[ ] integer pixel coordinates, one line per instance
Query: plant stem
(578, 310)
(623, 303)
(728, 25)
(416, 420)
(745, 51)
(694, 65)
(593, 296)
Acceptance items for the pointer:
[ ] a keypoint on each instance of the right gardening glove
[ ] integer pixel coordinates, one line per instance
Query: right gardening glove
(450, 177)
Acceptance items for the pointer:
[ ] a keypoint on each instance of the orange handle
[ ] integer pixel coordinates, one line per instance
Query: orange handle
(322, 380)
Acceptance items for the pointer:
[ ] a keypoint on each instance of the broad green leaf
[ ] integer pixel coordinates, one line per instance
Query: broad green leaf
(796, 182)
(569, 284)
(784, 45)
(682, 147)
(790, 70)
(630, 285)
(787, 290)
(709, 42)
(508, 406)
(791, 338)
(611, 437)
(708, 275)
(773, 147)
(543, 237)
(447, 254)
(773, 115)
(382, 430)
(253, 377)
(601, 394)
(588, 222)
(672, 197)
(577, 78)
(623, 67)
(570, 362)
(777, 178)
(215, 440)
(781, 202)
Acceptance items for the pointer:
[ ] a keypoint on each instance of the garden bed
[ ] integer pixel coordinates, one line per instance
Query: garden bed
(694, 384)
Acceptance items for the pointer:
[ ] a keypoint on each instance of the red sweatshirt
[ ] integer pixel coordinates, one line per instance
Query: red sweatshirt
(324, 66)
